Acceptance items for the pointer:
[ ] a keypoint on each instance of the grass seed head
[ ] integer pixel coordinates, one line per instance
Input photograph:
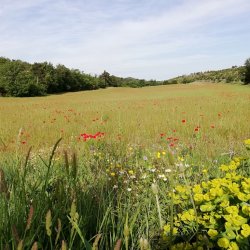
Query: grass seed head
(48, 223)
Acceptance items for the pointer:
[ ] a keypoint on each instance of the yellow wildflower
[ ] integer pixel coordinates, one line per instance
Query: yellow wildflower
(167, 228)
(198, 197)
(232, 210)
(131, 172)
(207, 207)
(246, 209)
(223, 243)
(206, 197)
(204, 171)
(245, 230)
(180, 158)
(247, 142)
(224, 168)
(242, 196)
(233, 246)
(215, 192)
(239, 220)
(197, 189)
(224, 203)
(234, 188)
(204, 184)
(212, 233)
(228, 226)
(180, 189)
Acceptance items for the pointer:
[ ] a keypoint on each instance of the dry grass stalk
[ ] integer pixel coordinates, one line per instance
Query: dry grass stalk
(20, 245)
(3, 184)
(30, 216)
(64, 245)
(34, 246)
(15, 233)
(95, 244)
(118, 245)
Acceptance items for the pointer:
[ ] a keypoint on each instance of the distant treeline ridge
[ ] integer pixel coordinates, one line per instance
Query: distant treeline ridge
(20, 79)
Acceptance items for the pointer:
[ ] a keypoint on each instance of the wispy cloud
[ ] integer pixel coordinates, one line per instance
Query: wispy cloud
(143, 38)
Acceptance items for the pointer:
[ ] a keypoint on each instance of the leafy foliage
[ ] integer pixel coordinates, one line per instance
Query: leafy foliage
(220, 212)
(231, 75)
(247, 72)
(18, 78)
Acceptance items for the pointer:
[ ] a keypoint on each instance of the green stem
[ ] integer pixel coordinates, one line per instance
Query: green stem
(159, 210)
(192, 200)
(171, 208)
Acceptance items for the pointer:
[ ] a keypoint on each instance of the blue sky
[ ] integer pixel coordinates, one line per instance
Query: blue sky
(150, 39)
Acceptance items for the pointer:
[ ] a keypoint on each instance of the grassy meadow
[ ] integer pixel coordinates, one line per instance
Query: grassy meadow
(132, 116)
(93, 188)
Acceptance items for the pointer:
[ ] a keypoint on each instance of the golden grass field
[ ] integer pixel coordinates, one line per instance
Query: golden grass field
(132, 116)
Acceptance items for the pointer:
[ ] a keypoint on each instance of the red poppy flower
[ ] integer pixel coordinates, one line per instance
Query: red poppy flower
(183, 121)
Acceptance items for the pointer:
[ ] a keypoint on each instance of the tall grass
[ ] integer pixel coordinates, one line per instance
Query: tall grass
(97, 194)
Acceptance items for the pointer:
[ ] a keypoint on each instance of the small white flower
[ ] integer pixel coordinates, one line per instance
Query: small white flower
(129, 189)
(161, 176)
(168, 170)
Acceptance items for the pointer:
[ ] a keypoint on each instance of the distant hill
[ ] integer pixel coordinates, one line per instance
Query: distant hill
(231, 75)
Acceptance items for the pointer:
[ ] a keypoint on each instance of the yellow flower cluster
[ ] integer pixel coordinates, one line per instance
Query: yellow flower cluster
(247, 142)
(222, 209)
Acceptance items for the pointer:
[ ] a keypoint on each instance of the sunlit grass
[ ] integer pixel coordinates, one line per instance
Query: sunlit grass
(133, 116)
(94, 187)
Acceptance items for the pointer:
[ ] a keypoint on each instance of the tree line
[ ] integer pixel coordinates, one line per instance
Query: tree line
(20, 79)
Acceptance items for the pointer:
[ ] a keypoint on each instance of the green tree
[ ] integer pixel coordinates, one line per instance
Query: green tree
(105, 76)
(45, 75)
(247, 72)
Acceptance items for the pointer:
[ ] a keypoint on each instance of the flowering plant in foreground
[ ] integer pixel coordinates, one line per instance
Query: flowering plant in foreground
(219, 215)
